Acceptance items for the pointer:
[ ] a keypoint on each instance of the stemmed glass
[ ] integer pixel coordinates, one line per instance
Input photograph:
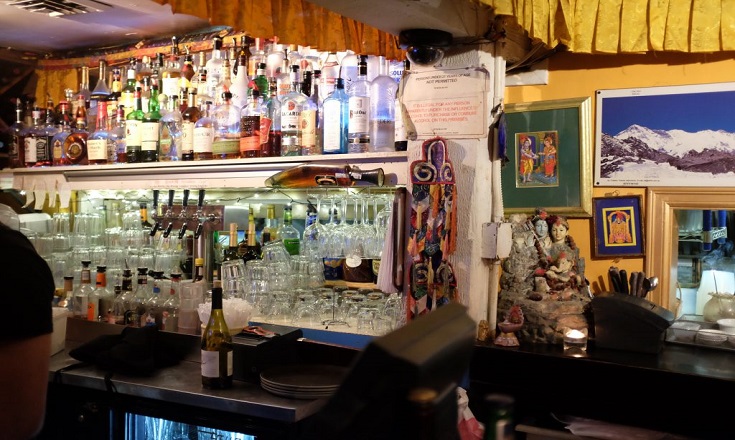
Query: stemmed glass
(381, 223)
(325, 236)
(338, 236)
(313, 232)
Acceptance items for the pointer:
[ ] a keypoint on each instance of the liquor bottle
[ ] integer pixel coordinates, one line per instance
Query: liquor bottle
(226, 128)
(170, 316)
(45, 157)
(383, 90)
(81, 293)
(216, 347)
(288, 234)
(133, 123)
(225, 83)
(103, 298)
(171, 73)
(499, 422)
(349, 70)
(75, 145)
(230, 254)
(127, 96)
(401, 139)
(144, 222)
(189, 117)
(261, 82)
(116, 85)
(187, 70)
(309, 175)
(34, 142)
(292, 104)
(141, 294)
(239, 87)
(198, 269)
(97, 147)
(309, 121)
(150, 129)
(250, 138)
(83, 91)
(283, 78)
(153, 305)
(16, 150)
(358, 127)
(101, 92)
(199, 81)
(336, 116)
(119, 154)
(330, 73)
(257, 57)
(120, 306)
(270, 228)
(170, 134)
(270, 125)
(252, 249)
(58, 156)
(204, 134)
(214, 69)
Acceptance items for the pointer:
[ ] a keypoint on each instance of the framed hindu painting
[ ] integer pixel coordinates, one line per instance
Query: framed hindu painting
(665, 136)
(549, 151)
(618, 227)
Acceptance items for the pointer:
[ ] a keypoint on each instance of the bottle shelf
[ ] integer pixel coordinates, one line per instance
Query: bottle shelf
(233, 173)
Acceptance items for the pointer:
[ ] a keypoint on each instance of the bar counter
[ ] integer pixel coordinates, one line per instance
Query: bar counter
(681, 390)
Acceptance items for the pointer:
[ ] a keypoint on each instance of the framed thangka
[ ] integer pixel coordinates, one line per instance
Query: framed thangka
(548, 145)
(618, 230)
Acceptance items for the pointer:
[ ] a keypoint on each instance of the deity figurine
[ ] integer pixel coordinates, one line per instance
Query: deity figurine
(511, 324)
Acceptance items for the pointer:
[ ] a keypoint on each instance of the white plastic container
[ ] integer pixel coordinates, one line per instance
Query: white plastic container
(58, 337)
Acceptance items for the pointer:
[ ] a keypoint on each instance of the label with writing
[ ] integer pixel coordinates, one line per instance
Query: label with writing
(149, 135)
(203, 137)
(308, 128)
(132, 133)
(359, 114)
(97, 149)
(187, 137)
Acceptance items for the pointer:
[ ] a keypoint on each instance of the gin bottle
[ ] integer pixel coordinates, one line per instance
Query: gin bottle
(336, 116)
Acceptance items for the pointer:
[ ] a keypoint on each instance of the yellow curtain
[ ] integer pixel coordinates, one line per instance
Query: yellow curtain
(53, 82)
(626, 26)
(293, 21)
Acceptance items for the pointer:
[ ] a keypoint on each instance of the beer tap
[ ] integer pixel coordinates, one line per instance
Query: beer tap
(200, 215)
(169, 214)
(183, 216)
(156, 217)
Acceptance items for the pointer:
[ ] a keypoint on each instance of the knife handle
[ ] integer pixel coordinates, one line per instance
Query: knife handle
(624, 281)
(614, 279)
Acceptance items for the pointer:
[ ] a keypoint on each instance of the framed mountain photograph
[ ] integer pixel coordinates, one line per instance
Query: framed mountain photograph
(666, 136)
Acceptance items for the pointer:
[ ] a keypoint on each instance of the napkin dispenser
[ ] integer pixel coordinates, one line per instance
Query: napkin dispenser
(626, 322)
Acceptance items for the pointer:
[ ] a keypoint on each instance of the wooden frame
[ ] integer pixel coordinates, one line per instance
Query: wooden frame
(565, 187)
(662, 232)
(617, 227)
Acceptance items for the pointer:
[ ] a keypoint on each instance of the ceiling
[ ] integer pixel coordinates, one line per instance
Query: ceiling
(108, 23)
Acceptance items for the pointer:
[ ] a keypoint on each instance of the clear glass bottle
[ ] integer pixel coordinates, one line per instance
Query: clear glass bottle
(150, 130)
(204, 134)
(97, 148)
(330, 73)
(104, 296)
(84, 91)
(270, 125)
(214, 69)
(226, 126)
(75, 145)
(336, 117)
(153, 306)
(288, 234)
(310, 117)
(257, 57)
(284, 78)
(120, 305)
(292, 104)
(101, 92)
(35, 140)
(199, 81)
(170, 318)
(383, 90)
(171, 134)
(81, 293)
(171, 73)
(349, 69)
(133, 123)
(189, 117)
(16, 150)
(240, 85)
(358, 127)
(250, 139)
(49, 131)
(58, 157)
(140, 296)
(119, 152)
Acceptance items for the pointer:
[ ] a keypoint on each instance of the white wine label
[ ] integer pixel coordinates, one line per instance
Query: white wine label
(132, 132)
(210, 363)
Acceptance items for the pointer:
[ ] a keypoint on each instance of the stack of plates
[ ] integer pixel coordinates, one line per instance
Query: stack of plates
(311, 381)
(711, 337)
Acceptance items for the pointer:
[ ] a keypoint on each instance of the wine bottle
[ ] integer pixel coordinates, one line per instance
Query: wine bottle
(216, 347)
(307, 175)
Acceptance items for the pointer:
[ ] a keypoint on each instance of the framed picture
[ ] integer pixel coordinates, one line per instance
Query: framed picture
(617, 227)
(549, 147)
(639, 142)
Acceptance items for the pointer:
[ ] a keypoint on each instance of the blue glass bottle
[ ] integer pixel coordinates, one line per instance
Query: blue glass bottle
(336, 117)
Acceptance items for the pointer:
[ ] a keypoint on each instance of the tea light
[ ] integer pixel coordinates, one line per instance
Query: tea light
(575, 339)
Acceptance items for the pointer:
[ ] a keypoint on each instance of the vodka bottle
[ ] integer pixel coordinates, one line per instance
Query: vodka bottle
(292, 104)
(170, 135)
(214, 68)
(348, 69)
(358, 127)
(382, 110)
(204, 134)
(336, 117)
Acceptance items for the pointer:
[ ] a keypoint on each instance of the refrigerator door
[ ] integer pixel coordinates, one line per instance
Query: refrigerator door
(140, 427)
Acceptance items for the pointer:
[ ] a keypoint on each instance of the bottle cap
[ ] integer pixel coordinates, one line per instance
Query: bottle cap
(199, 261)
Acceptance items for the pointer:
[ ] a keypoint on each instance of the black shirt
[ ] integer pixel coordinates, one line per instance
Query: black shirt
(26, 288)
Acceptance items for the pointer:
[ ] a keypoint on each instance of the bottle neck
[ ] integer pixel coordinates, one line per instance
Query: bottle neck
(216, 299)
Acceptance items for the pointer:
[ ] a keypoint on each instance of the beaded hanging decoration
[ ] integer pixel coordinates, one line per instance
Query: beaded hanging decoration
(432, 234)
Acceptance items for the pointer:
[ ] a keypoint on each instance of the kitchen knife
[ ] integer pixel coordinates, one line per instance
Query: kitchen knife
(633, 284)
(624, 281)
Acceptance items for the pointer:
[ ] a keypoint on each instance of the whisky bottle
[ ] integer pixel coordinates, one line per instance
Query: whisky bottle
(75, 145)
(16, 151)
(34, 142)
(189, 117)
(58, 157)
(133, 122)
(150, 129)
(250, 126)
(97, 147)
(309, 175)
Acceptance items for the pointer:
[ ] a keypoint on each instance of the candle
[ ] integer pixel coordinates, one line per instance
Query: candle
(576, 339)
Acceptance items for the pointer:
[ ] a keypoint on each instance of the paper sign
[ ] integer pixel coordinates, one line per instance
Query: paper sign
(448, 102)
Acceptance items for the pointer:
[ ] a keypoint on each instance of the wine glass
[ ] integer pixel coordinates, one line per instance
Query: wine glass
(313, 232)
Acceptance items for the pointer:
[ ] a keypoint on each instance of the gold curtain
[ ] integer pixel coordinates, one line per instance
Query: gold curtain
(294, 22)
(626, 26)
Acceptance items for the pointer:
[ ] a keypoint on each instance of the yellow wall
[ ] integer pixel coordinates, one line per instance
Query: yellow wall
(580, 75)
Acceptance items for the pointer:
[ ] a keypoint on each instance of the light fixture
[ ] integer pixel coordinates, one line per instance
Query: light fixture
(424, 47)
